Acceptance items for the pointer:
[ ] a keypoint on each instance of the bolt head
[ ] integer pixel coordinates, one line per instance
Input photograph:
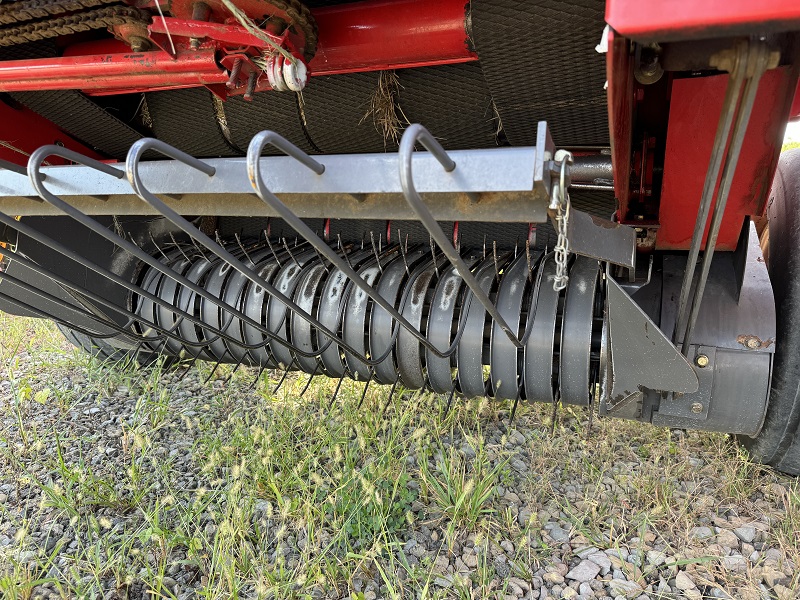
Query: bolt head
(697, 408)
(753, 343)
(701, 361)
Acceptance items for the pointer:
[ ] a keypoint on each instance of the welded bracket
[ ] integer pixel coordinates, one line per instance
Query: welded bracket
(636, 356)
(580, 232)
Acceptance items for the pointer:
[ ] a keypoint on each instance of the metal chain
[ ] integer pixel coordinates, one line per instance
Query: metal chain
(29, 10)
(561, 250)
(92, 19)
(302, 19)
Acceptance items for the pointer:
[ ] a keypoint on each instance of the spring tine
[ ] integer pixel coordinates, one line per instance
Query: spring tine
(450, 400)
(177, 245)
(494, 253)
(403, 251)
(366, 387)
(286, 247)
(484, 245)
(336, 392)
(413, 134)
(389, 399)
(528, 258)
(253, 169)
(322, 261)
(155, 243)
(310, 379)
(258, 376)
(132, 169)
(283, 378)
(247, 256)
(271, 249)
(375, 251)
(556, 399)
(433, 256)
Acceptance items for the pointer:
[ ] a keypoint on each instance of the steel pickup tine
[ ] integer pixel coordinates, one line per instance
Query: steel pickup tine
(254, 151)
(135, 179)
(417, 133)
(119, 241)
(35, 175)
(15, 168)
(97, 299)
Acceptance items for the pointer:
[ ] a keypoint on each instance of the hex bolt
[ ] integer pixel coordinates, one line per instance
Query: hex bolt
(234, 76)
(701, 361)
(697, 408)
(200, 12)
(251, 86)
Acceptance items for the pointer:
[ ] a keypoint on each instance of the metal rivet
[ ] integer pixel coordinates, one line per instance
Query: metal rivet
(697, 408)
(702, 362)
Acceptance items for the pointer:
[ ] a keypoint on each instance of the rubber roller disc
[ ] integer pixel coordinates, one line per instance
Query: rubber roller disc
(212, 313)
(188, 301)
(355, 322)
(540, 346)
(383, 328)
(256, 307)
(277, 317)
(409, 350)
(234, 296)
(303, 333)
(471, 381)
(506, 372)
(168, 291)
(447, 298)
(331, 310)
(576, 331)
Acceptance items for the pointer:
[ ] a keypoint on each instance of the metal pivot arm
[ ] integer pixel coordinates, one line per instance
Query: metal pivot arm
(412, 135)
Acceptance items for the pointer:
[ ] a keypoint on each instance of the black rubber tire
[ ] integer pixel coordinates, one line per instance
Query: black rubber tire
(778, 442)
(102, 350)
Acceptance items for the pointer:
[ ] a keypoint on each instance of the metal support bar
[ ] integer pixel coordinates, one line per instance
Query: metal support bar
(503, 180)
(751, 62)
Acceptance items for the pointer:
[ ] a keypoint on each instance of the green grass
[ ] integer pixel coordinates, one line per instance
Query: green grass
(287, 497)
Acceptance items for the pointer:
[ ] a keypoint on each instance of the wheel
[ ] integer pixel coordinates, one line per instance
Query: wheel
(101, 349)
(778, 442)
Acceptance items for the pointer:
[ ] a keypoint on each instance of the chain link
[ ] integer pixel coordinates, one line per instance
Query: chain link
(561, 250)
(29, 10)
(92, 19)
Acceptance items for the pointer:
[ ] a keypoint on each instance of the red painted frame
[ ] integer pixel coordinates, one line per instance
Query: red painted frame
(367, 36)
(23, 131)
(671, 20)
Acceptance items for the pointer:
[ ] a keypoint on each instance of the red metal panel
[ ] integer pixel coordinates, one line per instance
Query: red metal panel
(620, 114)
(22, 131)
(695, 107)
(668, 20)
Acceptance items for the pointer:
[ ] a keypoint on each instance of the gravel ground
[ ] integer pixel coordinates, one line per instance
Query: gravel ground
(126, 483)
